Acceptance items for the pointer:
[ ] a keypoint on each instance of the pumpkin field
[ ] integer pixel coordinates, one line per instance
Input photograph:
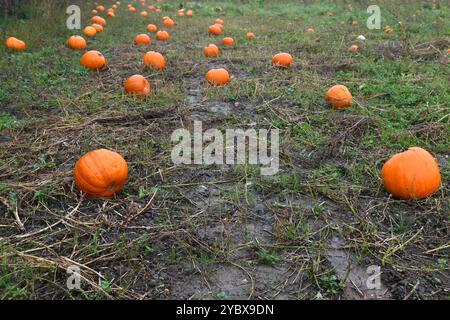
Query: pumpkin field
(87, 180)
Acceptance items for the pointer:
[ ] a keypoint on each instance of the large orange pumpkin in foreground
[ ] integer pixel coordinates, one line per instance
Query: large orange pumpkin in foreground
(100, 173)
(154, 60)
(137, 85)
(15, 44)
(76, 43)
(338, 97)
(412, 174)
(93, 60)
(217, 77)
(282, 59)
(142, 39)
(211, 51)
(162, 35)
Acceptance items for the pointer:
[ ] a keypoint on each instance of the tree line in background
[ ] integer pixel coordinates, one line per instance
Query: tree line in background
(24, 9)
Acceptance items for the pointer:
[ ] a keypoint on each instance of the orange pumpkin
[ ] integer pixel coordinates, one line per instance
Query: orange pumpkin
(219, 21)
(168, 22)
(217, 77)
(214, 30)
(152, 28)
(412, 174)
(137, 85)
(158, 10)
(131, 9)
(180, 13)
(189, 13)
(211, 50)
(154, 60)
(250, 35)
(338, 97)
(310, 30)
(99, 20)
(388, 29)
(227, 41)
(143, 14)
(100, 173)
(94, 11)
(97, 27)
(353, 48)
(89, 31)
(162, 35)
(93, 60)
(15, 44)
(110, 14)
(282, 59)
(151, 8)
(329, 13)
(142, 39)
(100, 8)
(76, 43)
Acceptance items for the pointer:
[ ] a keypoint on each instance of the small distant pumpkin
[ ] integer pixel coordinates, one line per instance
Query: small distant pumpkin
(100, 8)
(151, 8)
(142, 39)
(137, 85)
(93, 60)
(214, 30)
(217, 77)
(168, 22)
(110, 14)
(412, 174)
(143, 14)
(227, 41)
(99, 20)
(189, 13)
(282, 59)
(388, 29)
(152, 28)
(93, 11)
(158, 10)
(180, 13)
(97, 27)
(250, 35)
(132, 9)
(15, 44)
(353, 48)
(162, 35)
(154, 60)
(211, 50)
(76, 43)
(219, 21)
(338, 97)
(310, 30)
(329, 14)
(89, 31)
(100, 173)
